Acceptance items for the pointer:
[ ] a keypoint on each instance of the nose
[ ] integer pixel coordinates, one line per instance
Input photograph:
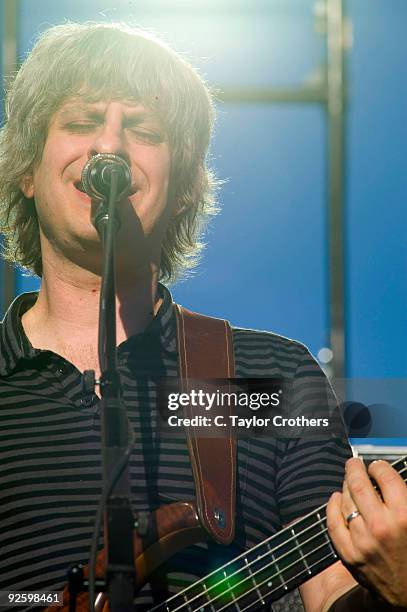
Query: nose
(109, 138)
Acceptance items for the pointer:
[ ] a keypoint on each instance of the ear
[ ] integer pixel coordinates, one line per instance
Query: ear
(27, 186)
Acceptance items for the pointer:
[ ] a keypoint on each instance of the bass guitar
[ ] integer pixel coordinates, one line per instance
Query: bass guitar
(250, 581)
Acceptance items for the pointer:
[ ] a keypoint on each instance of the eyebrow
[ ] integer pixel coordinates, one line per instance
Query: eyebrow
(140, 114)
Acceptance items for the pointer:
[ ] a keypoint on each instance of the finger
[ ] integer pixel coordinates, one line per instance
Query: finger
(348, 504)
(360, 490)
(337, 528)
(391, 485)
(355, 526)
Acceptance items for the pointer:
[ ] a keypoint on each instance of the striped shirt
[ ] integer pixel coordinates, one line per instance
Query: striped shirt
(50, 453)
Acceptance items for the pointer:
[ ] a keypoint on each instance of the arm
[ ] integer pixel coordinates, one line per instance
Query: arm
(335, 590)
(320, 592)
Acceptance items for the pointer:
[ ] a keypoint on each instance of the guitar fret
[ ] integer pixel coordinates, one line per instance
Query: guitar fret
(232, 594)
(186, 599)
(301, 553)
(328, 541)
(259, 595)
(279, 573)
(212, 609)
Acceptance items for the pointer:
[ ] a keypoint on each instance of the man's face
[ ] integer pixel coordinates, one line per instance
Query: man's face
(77, 131)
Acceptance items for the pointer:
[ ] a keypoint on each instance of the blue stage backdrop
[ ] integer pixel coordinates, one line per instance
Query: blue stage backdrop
(266, 263)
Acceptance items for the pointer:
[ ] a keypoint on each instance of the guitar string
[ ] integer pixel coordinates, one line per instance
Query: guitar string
(247, 578)
(304, 571)
(275, 561)
(284, 583)
(321, 509)
(262, 569)
(253, 574)
(245, 554)
(272, 590)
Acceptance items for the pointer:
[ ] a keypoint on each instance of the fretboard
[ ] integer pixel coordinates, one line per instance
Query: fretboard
(267, 571)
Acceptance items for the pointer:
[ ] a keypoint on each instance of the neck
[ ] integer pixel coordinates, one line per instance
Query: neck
(68, 306)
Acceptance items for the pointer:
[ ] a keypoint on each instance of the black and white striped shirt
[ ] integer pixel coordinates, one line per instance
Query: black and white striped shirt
(50, 467)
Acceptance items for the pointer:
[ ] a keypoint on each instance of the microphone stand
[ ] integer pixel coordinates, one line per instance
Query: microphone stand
(119, 520)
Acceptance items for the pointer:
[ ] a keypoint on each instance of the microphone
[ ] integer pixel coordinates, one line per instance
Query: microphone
(97, 175)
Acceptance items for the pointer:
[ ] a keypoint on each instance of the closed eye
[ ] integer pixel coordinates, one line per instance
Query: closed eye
(80, 126)
(145, 135)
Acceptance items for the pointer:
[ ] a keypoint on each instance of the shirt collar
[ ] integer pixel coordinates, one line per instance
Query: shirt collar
(15, 346)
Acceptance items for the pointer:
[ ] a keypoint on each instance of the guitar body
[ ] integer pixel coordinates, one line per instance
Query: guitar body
(172, 528)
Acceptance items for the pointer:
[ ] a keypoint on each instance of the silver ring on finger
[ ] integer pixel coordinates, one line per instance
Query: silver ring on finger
(352, 516)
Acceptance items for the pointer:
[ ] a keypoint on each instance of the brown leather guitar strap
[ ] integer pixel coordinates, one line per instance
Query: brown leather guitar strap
(205, 349)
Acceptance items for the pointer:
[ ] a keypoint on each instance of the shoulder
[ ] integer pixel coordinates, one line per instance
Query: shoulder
(269, 340)
(257, 351)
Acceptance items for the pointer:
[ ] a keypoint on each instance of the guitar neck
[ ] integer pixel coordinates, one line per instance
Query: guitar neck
(267, 571)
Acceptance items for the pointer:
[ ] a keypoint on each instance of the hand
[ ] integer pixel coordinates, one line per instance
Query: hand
(373, 545)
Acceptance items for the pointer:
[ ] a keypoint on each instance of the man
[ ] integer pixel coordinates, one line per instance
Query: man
(84, 90)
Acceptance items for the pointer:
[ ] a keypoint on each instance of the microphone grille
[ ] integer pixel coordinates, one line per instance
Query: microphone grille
(96, 175)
